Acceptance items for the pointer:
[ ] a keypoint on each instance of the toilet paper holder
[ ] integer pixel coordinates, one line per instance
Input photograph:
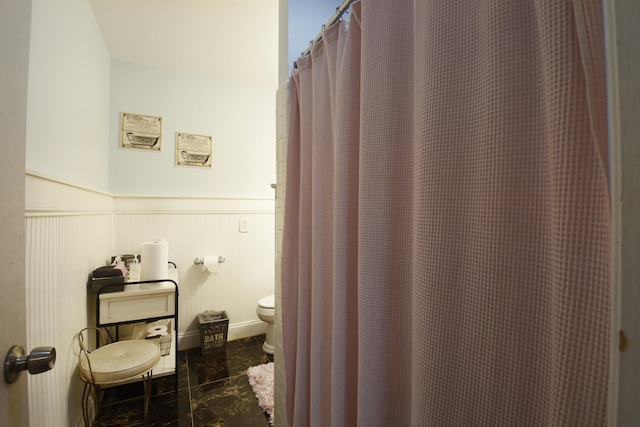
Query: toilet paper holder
(200, 261)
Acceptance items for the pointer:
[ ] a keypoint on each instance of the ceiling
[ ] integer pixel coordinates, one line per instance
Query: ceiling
(235, 40)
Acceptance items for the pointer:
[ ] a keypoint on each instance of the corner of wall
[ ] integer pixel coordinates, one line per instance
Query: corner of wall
(282, 125)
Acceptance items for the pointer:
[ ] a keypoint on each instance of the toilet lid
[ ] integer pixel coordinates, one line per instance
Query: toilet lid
(267, 302)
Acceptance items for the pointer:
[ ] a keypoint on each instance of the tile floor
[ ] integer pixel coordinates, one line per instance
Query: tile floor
(213, 390)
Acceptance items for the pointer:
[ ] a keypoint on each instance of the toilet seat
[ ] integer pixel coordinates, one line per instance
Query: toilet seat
(267, 302)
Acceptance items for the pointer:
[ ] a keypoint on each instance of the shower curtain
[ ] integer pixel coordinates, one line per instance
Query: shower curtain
(447, 222)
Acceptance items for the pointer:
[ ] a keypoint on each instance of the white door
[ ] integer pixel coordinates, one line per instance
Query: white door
(623, 75)
(15, 21)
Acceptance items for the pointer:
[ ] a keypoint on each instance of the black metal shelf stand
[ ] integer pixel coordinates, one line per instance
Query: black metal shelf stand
(173, 316)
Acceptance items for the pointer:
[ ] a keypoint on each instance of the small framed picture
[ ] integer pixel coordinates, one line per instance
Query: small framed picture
(194, 150)
(141, 132)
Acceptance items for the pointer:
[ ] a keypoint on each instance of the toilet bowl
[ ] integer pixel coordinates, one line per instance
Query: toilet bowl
(266, 313)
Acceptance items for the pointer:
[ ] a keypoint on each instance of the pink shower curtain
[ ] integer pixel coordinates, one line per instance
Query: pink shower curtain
(446, 239)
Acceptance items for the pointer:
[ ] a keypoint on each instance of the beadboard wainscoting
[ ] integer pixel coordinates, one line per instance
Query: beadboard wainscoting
(67, 233)
(72, 230)
(201, 227)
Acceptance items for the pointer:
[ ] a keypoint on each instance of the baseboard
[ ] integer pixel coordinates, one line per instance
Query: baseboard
(237, 331)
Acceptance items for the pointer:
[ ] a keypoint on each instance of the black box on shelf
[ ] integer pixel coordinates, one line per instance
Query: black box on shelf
(106, 284)
(214, 328)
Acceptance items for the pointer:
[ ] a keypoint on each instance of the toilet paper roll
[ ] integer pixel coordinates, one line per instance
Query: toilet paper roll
(154, 259)
(210, 264)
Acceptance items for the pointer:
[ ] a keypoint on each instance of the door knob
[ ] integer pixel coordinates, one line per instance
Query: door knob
(41, 359)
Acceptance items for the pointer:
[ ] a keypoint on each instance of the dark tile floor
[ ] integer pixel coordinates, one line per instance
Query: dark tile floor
(213, 390)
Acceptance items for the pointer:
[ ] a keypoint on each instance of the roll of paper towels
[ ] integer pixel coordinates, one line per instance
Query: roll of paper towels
(154, 260)
(210, 263)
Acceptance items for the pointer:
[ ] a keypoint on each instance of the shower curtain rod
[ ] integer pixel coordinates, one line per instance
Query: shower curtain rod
(340, 10)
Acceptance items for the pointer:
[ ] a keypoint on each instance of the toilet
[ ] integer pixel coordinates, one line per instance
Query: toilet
(266, 313)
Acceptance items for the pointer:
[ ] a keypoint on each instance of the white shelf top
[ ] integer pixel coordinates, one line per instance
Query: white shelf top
(145, 288)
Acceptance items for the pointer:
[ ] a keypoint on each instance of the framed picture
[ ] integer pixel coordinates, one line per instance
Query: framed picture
(194, 150)
(141, 132)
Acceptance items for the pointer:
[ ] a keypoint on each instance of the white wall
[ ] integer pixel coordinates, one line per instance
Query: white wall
(623, 64)
(86, 199)
(63, 244)
(240, 118)
(68, 229)
(280, 391)
(68, 101)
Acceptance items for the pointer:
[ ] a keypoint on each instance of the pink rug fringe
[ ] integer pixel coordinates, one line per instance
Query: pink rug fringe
(261, 379)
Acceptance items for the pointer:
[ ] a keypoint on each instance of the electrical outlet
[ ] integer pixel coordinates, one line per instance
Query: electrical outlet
(243, 225)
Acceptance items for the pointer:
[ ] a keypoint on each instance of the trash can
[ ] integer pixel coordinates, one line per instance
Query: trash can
(214, 327)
